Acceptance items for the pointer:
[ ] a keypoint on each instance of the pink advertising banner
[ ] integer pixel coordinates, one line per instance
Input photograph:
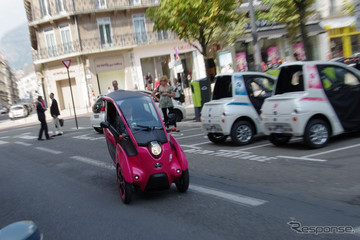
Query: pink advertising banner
(299, 49)
(241, 62)
(273, 55)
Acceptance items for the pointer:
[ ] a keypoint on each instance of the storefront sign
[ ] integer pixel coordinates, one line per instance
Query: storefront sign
(109, 64)
(226, 62)
(241, 63)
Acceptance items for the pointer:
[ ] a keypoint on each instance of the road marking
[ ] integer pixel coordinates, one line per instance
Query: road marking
(85, 137)
(197, 144)
(4, 131)
(263, 145)
(81, 128)
(24, 144)
(3, 142)
(4, 137)
(302, 158)
(48, 150)
(330, 151)
(27, 137)
(241, 199)
(357, 231)
(196, 135)
(189, 129)
(93, 162)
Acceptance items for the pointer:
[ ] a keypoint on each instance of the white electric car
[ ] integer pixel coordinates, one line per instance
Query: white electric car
(313, 100)
(235, 106)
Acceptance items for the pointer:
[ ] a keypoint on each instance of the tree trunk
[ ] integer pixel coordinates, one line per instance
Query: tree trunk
(304, 33)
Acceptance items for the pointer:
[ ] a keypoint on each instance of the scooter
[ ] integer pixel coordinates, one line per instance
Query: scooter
(145, 156)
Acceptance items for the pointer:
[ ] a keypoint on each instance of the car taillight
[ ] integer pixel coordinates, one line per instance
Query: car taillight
(102, 109)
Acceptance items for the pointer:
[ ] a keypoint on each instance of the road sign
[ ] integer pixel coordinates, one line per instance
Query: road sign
(67, 63)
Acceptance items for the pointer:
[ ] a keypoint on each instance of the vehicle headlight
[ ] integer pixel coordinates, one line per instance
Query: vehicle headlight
(155, 148)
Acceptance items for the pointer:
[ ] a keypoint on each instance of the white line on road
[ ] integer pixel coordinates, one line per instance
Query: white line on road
(189, 129)
(24, 144)
(27, 137)
(263, 145)
(3, 142)
(196, 135)
(357, 231)
(330, 151)
(93, 162)
(4, 131)
(241, 199)
(302, 158)
(48, 150)
(197, 144)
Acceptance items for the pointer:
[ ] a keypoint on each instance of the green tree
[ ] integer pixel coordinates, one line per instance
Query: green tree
(294, 14)
(348, 8)
(197, 21)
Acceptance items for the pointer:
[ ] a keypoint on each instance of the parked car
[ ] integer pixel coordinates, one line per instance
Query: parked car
(235, 105)
(17, 111)
(4, 110)
(98, 114)
(313, 100)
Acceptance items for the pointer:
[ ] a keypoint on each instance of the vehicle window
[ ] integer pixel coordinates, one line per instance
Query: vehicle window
(336, 77)
(290, 80)
(223, 87)
(16, 108)
(259, 86)
(111, 113)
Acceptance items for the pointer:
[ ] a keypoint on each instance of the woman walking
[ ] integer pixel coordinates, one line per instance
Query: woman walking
(166, 92)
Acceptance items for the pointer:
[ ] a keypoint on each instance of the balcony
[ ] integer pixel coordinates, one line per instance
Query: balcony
(37, 15)
(96, 45)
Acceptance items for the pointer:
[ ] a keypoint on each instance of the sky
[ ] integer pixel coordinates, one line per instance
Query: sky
(12, 15)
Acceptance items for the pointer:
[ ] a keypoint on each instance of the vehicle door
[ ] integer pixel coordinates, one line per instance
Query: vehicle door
(342, 87)
(258, 88)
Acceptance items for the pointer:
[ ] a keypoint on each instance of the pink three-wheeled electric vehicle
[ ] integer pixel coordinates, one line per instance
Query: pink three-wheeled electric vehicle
(144, 154)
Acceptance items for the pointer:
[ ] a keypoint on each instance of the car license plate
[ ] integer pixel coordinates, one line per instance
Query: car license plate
(279, 129)
(96, 116)
(212, 129)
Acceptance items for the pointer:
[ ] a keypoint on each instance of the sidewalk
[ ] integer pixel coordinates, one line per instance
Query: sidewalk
(66, 114)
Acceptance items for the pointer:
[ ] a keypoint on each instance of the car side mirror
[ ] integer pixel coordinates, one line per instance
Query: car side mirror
(105, 124)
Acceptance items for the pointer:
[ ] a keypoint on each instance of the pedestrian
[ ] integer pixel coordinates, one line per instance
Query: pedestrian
(115, 85)
(178, 92)
(166, 92)
(54, 111)
(40, 109)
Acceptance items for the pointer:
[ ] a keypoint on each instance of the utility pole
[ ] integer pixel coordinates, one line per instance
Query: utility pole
(257, 53)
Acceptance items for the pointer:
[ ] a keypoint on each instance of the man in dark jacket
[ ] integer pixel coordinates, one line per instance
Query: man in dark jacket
(40, 109)
(54, 111)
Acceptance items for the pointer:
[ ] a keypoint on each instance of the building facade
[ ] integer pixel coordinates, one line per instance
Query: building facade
(105, 40)
(8, 87)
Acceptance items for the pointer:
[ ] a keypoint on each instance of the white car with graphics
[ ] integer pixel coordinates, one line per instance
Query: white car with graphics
(313, 100)
(235, 105)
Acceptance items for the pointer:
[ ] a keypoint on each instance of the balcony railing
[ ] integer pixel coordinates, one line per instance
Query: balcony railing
(55, 10)
(93, 45)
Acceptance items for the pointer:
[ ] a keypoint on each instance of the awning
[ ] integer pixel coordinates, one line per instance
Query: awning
(340, 22)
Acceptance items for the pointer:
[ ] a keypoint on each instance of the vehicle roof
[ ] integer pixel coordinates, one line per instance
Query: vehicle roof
(245, 73)
(313, 63)
(123, 94)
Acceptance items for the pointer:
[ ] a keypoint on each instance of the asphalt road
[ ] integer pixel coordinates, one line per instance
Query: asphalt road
(67, 186)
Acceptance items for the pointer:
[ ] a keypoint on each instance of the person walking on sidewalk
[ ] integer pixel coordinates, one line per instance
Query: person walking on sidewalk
(54, 111)
(40, 109)
(166, 93)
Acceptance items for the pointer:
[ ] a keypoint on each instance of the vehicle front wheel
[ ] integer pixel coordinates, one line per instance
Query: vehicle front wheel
(182, 184)
(216, 137)
(125, 188)
(317, 133)
(242, 133)
(279, 139)
(99, 130)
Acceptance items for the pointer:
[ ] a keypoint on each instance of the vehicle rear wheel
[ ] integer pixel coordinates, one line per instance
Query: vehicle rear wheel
(182, 184)
(178, 115)
(217, 137)
(242, 133)
(279, 139)
(99, 130)
(125, 188)
(317, 133)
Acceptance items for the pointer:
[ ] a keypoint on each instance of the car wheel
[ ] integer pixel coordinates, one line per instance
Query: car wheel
(216, 137)
(99, 130)
(182, 184)
(178, 115)
(125, 188)
(316, 134)
(279, 139)
(242, 133)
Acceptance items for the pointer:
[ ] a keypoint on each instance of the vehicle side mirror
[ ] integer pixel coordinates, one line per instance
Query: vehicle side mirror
(105, 124)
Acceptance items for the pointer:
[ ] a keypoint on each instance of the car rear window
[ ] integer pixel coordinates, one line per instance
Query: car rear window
(223, 87)
(16, 108)
(290, 80)
(98, 105)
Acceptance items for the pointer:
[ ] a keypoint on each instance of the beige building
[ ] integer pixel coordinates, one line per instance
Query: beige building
(105, 40)
(8, 88)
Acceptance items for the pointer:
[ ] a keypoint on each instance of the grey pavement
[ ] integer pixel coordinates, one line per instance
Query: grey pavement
(86, 112)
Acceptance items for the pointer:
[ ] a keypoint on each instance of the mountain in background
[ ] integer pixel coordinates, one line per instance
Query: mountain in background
(15, 47)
